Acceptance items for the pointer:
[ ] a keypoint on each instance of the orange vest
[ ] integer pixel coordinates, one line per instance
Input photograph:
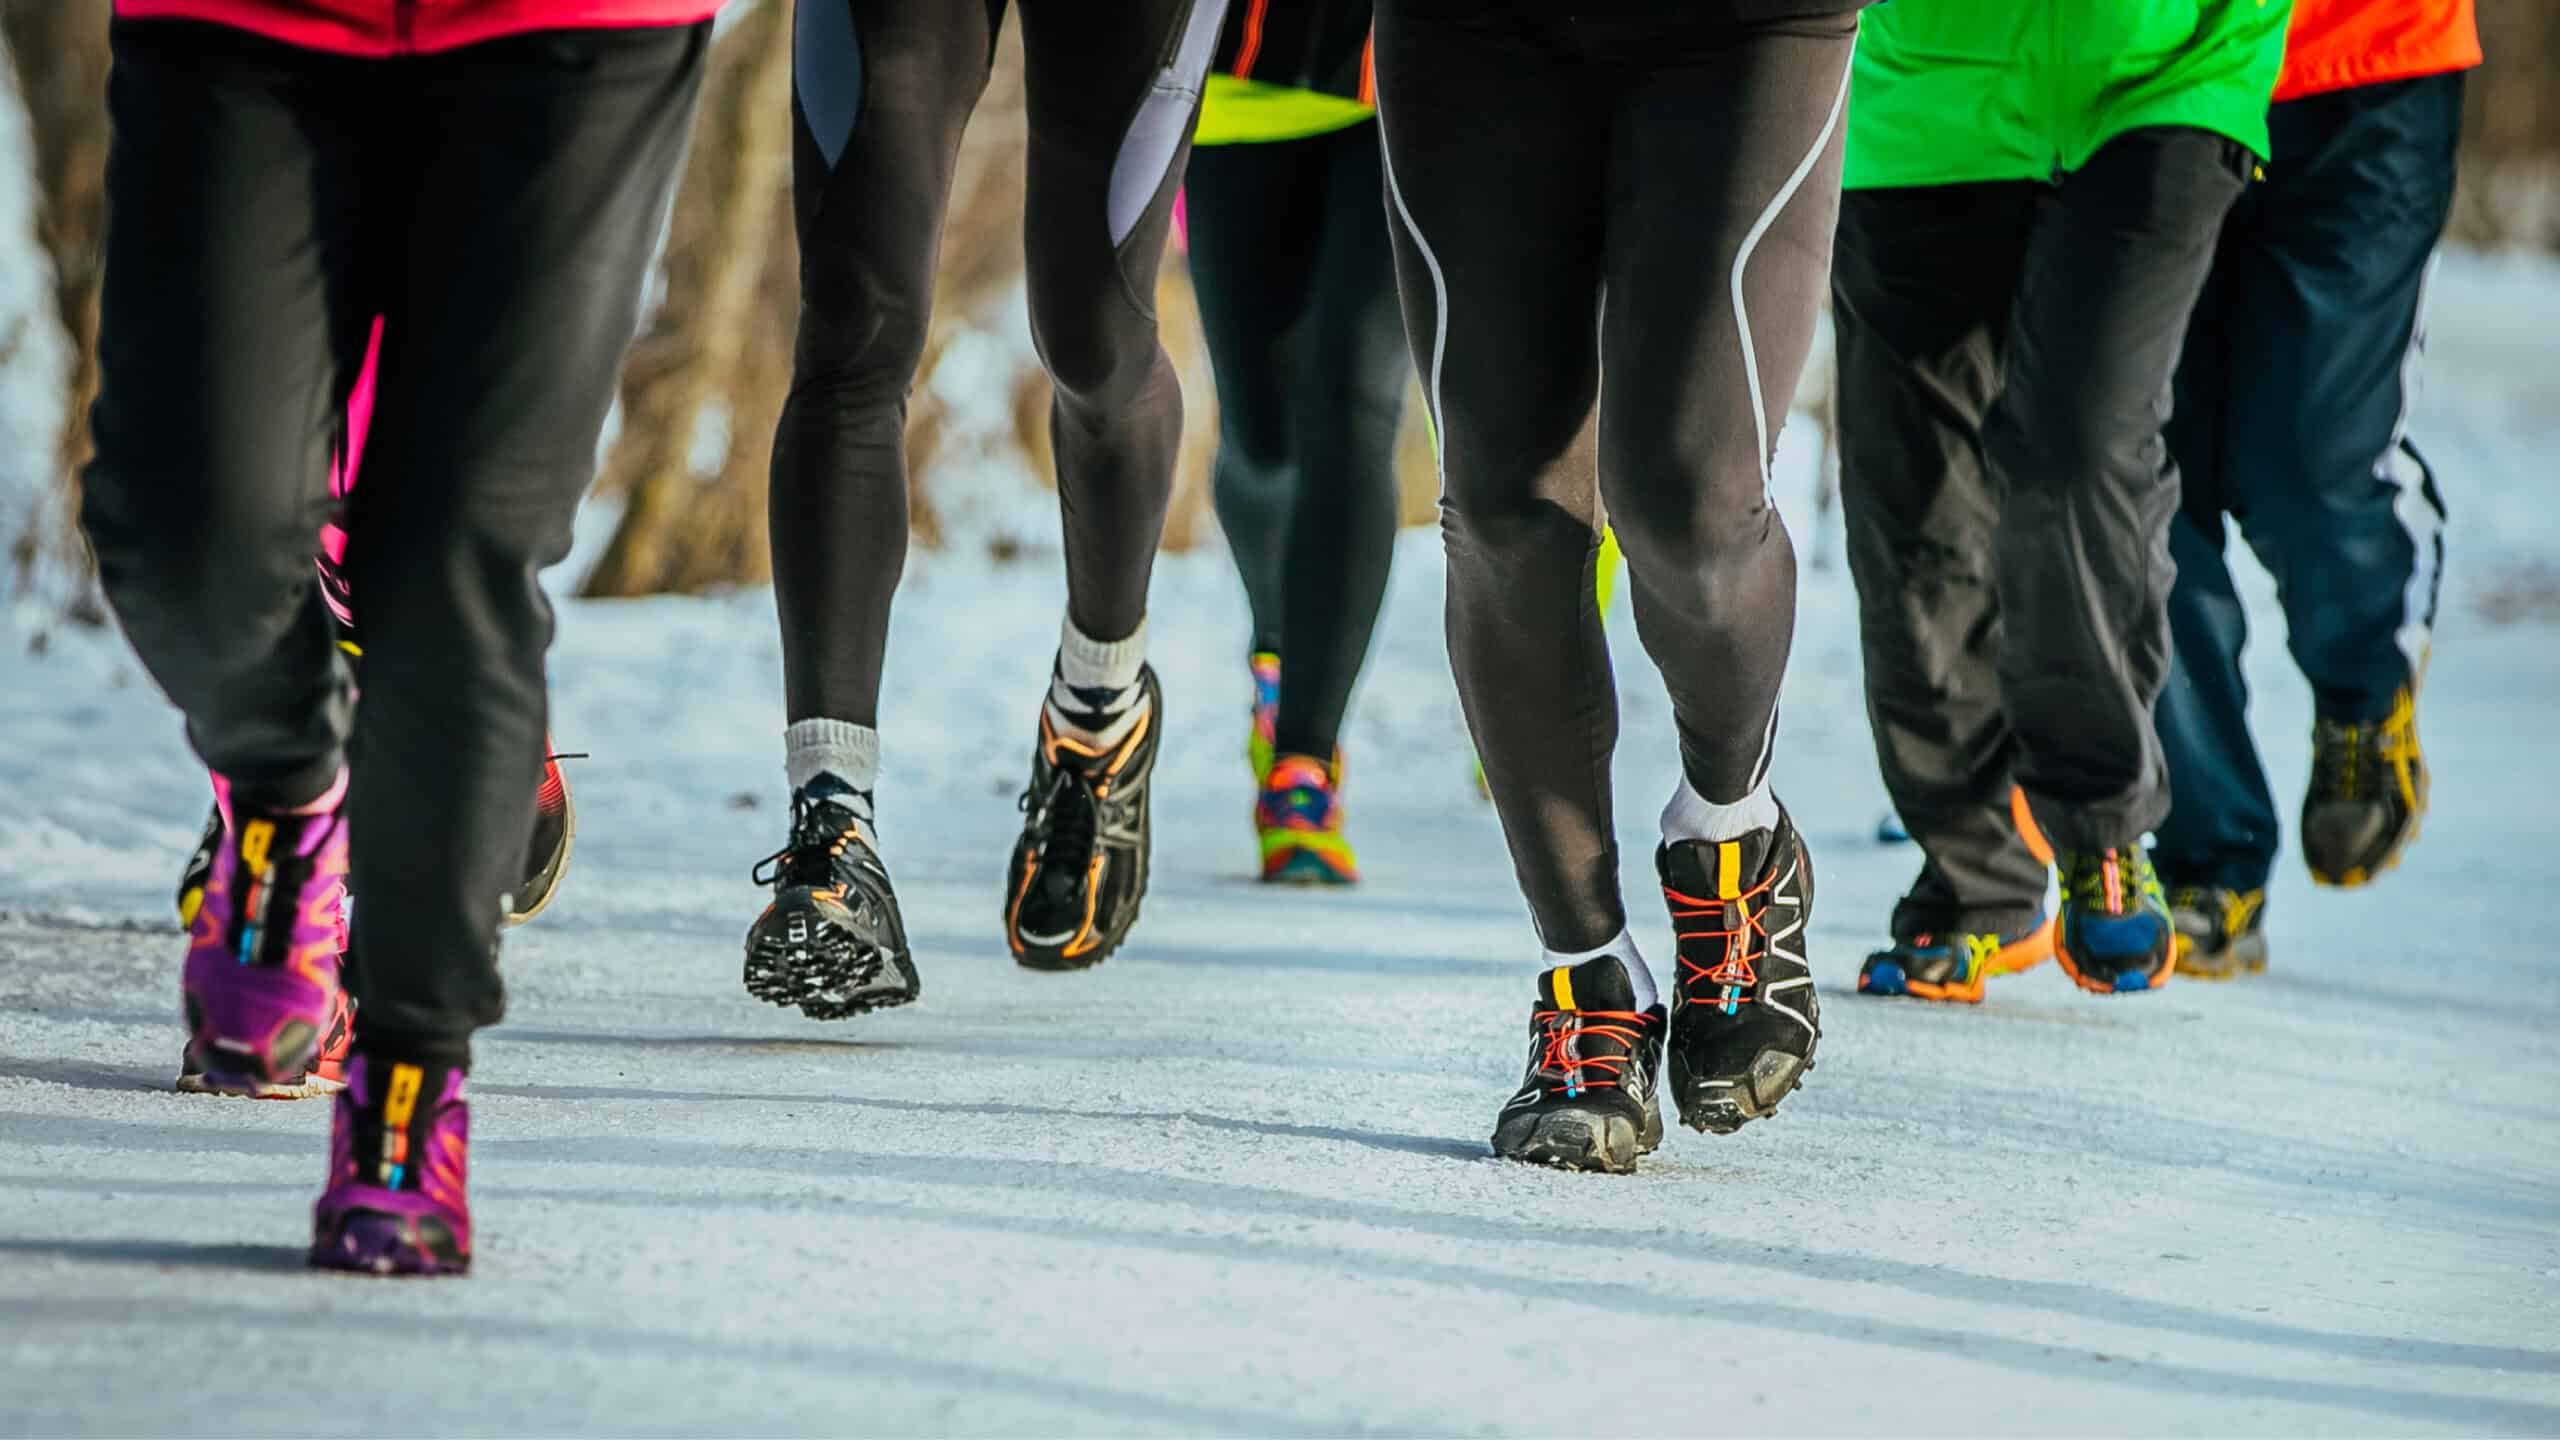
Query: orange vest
(2335, 44)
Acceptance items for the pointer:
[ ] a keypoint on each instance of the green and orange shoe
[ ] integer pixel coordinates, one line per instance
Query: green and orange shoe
(1299, 819)
(1953, 966)
(2115, 935)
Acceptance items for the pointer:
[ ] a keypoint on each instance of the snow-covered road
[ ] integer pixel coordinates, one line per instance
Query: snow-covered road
(1235, 1180)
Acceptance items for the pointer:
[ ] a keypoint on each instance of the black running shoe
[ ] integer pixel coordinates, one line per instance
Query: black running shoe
(555, 833)
(1080, 869)
(1588, 1101)
(1744, 1021)
(2368, 792)
(832, 941)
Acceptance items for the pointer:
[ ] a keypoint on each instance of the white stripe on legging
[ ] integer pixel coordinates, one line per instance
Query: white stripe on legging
(1742, 257)
(2409, 504)
(1439, 302)
(1164, 120)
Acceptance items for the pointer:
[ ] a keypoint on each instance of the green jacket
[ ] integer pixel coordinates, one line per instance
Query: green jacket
(1948, 91)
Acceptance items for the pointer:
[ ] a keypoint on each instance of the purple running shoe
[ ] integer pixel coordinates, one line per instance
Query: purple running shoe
(395, 1203)
(261, 981)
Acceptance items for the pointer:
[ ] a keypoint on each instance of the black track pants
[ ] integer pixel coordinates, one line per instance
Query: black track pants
(881, 90)
(1684, 169)
(2293, 406)
(2005, 354)
(497, 205)
(1298, 299)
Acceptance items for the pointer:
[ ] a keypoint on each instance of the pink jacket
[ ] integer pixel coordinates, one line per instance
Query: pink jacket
(408, 27)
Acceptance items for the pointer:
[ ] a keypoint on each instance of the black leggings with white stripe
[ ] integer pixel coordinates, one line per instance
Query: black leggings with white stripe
(881, 90)
(1684, 168)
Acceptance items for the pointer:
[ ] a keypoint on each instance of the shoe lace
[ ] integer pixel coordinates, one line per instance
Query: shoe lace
(2338, 751)
(1064, 816)
(1562, 1058)
(1740, 924)
(816, 839)
(1980, 952)
(2114, 879)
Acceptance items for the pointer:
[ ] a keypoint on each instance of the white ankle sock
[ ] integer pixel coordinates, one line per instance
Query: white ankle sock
(1639, 974)
(840, 749)
(1094, 693)
(1692, 816)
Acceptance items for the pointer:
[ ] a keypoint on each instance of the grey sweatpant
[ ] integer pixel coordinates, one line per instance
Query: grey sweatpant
(2005, 355)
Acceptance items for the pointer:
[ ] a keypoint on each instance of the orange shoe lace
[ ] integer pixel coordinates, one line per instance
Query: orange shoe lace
(1746, 935)
(1560, 1058)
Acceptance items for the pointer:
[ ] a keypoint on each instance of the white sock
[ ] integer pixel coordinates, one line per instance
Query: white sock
(1639, 974)
(1692, 816)
(839, 750)
(1094, 694)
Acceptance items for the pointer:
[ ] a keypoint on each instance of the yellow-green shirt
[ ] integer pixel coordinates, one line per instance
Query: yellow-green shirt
(1248, 112)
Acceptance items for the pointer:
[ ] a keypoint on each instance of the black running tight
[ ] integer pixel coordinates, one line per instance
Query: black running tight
(881, 90)
(1297, 289)
(1685, 168)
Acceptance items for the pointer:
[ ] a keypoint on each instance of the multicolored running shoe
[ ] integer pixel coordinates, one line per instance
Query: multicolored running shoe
(1953, 966)
(397, 1202)
(261, 979)
(2114, 935)
(1258, 746)
(1299, 819)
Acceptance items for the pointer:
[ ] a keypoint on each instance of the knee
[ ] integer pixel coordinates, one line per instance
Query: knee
(1686, 507)
(863, 358)
(2074, 444)
(1101, 364)
(193, 550)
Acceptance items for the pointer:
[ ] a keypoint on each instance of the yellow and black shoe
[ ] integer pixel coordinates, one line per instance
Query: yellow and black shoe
(2368, 792)
(1953, 966)
(1588, 1101)
(1744, 1020)
(1079, 870)
(832, 942)
(2220, 931)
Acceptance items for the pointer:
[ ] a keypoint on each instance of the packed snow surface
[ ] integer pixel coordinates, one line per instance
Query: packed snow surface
(1235, 1180)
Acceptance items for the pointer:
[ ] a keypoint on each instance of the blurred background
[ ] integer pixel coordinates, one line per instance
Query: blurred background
(680, 504)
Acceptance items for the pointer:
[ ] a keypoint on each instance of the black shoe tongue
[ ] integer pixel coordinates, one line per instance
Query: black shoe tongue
(1717, 869)
(1596, 984)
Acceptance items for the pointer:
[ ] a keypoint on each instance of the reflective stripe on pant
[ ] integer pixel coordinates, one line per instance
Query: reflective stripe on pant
(2005, 357)
(1686, 166)
(2292, 412)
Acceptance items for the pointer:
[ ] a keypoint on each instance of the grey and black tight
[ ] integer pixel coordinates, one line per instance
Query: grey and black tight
(1654, 205)
(881, 92)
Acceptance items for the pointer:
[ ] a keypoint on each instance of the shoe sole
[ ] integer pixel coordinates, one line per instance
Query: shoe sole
(2100, 986)
(247, 1087)
(797, 959)
(1572, 1140)
(371, 1243)
(1720, 1107)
